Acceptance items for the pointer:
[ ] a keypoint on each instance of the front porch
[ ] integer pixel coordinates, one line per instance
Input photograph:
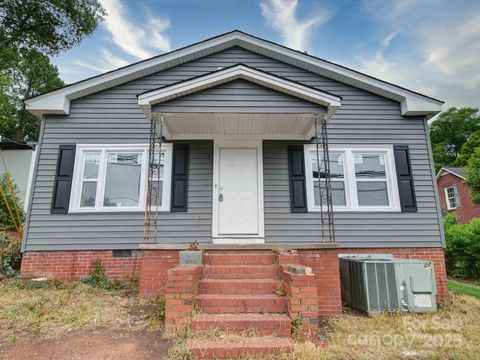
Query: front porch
(239, 110)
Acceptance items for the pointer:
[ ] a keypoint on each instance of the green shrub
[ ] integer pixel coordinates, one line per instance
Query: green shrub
(9, 255)
(98, 278)
(462, 254)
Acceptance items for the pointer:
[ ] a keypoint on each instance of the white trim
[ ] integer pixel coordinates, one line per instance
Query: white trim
(58, 102)
(350, 180)
(456, 196)
(104, 149)
(240, 136)
(238, 72)
(233, 142)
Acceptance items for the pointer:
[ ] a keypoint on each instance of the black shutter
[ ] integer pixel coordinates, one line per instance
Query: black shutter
(406, 189)
(296, 170)
(179, 178)
(63, 179)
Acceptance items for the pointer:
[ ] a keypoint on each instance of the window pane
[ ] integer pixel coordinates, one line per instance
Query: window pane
(369, 166)
(336, 165)
(153, 195)
(338, 193)
(92, 161)
(156, 166)
(122, 183)
(372, 193)
(89, 191)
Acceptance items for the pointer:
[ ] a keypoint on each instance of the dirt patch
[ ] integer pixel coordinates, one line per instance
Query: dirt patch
(91, 344)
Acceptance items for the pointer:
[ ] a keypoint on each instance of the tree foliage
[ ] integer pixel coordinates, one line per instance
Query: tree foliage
(32, 75)
(450, 132)
(45, 26)
(468, 149)
(30, 32)
(472, 177)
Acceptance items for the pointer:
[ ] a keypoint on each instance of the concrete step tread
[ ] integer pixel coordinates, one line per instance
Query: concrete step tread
(240, 281)
(247, 266)
(240, 296)
(242, 317)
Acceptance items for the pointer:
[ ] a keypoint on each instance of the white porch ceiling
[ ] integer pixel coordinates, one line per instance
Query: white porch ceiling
(265, 126)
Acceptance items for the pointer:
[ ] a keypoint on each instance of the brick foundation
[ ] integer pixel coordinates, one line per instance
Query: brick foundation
(75, 265)
(153, 266)
(154, 269)
(181, 290)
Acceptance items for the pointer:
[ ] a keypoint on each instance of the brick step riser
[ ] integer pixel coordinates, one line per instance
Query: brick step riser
(231, 306)
(239, 259)
(234, 352)
(233, 288)
(240, 272)
(252, 276)
(237, 262)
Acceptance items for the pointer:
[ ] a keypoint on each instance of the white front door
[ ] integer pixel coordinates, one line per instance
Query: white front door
(238, 202)
(237, 191)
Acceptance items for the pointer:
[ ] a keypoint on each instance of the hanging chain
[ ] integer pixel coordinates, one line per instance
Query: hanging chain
(324, 180)
(154, 168)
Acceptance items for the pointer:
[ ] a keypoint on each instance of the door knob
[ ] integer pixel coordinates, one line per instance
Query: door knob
(220, 197)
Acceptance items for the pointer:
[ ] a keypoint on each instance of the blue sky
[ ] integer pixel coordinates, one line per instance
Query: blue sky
(431, 46)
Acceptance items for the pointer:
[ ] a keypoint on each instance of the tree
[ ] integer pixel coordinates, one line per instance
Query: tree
(468, 149)
(472, 177)
(32, 75)
(45, 26)
(30, 32)
(450, 132)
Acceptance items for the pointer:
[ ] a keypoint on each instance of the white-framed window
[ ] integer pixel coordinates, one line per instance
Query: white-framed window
(452, 197)
(362, 179)
(114, 178)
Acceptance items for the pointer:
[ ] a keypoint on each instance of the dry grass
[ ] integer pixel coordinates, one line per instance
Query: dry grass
(451, 333)
(53, 308)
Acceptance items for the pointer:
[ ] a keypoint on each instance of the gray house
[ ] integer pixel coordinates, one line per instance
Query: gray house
(238, 168)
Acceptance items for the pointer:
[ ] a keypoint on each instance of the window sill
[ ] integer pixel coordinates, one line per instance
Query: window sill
(364, 210)
(114, 211)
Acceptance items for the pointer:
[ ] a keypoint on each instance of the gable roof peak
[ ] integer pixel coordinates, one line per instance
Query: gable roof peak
(58, 101)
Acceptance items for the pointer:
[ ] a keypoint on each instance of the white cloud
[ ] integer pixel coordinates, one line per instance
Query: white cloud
(106, 62)
(140, 41)
(281, 15)
(443, 43)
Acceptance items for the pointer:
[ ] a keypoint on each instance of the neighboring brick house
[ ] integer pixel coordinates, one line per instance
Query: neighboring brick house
(455, 195)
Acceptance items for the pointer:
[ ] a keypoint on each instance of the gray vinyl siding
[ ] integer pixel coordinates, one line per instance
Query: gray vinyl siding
(113, 116)
(118, 230)
(239, 96)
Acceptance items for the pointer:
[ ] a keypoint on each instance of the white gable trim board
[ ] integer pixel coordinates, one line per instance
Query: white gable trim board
(240, 71)
(58, 102)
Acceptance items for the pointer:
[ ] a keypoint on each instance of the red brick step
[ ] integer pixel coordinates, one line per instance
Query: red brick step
(238, 286)
(236, 258)
(264, 324)
(265, 303)
(240, 272)
(260, 346)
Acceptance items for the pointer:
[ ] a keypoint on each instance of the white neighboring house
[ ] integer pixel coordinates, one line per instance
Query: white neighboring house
(18, 160)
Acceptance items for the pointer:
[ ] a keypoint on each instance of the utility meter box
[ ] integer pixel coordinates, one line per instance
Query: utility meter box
(376, 284)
